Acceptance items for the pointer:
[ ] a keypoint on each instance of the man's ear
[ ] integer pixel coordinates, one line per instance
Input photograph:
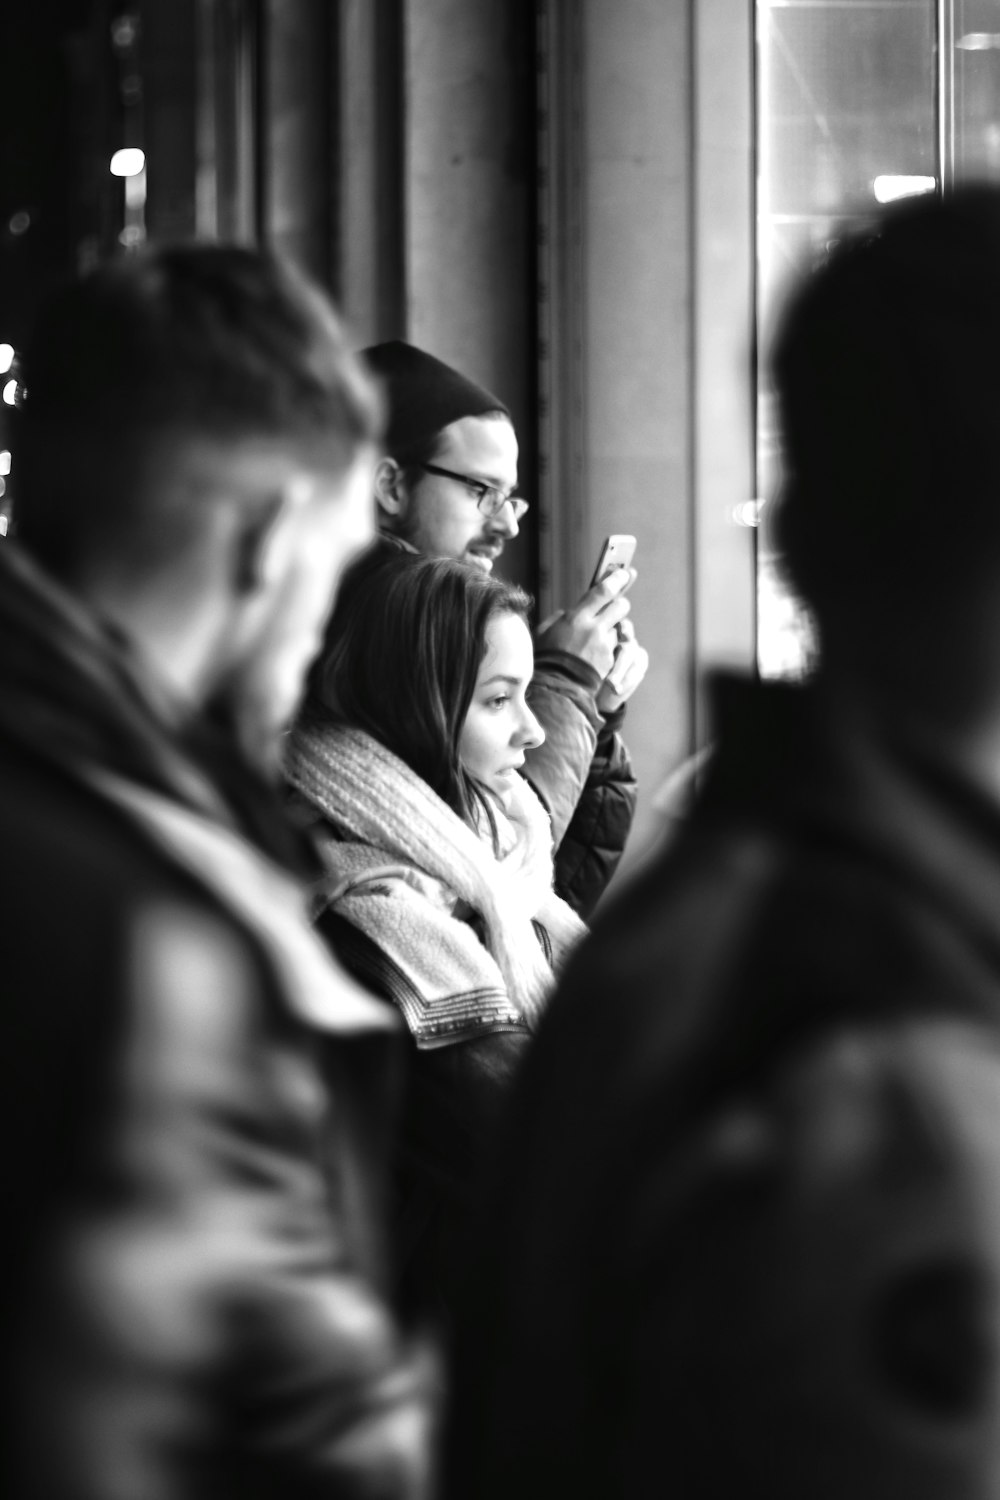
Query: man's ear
(389, 492)
(265, 538)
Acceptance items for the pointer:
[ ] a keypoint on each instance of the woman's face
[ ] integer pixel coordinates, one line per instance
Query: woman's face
(500, 726)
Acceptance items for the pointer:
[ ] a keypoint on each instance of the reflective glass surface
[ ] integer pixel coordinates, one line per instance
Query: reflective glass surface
(973, 81)
(847, 101)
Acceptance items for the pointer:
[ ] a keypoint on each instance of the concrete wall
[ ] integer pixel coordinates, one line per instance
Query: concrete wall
(469, 185)
(637, 349)
(469, 191)
(666, 180)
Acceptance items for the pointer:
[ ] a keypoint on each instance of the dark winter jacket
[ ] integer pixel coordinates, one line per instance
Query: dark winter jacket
(745, 1238)
(583, 776)
(191, 1308)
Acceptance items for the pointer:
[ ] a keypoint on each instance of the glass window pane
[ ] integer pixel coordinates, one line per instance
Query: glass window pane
(974, 29)
(846, 118)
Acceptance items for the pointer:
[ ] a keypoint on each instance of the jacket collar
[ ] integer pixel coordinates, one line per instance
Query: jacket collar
(76, 694)
(837, 777)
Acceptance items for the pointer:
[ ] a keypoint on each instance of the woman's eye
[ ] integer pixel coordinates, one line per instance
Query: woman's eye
(500, 701)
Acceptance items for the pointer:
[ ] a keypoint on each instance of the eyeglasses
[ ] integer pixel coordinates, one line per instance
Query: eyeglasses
(490, 500)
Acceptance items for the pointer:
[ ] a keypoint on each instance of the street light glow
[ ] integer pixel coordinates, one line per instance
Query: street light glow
(128, 162)
(888, 188)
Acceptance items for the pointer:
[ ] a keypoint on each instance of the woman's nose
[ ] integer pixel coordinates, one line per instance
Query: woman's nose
(531, 732)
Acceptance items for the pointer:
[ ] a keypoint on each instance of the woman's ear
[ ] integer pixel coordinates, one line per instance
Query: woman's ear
(389, 492)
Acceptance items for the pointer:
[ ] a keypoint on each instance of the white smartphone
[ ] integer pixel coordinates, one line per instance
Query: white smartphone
(616, 552)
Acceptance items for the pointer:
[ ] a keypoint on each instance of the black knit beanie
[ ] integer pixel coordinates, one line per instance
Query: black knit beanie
(424, 394)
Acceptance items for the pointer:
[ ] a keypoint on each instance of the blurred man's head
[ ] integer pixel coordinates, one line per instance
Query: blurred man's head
(889, 386)
(438, 420)
(197, 444)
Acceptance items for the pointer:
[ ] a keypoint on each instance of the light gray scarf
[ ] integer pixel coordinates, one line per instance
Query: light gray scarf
(376, 800)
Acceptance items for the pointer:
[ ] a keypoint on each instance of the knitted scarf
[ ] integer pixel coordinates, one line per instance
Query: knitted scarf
(375, 801)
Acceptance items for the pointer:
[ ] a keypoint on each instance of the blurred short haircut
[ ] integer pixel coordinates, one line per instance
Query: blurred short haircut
(199, 341)
(888, 376)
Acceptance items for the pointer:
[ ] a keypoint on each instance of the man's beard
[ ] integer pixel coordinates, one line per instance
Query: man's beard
(406, 529)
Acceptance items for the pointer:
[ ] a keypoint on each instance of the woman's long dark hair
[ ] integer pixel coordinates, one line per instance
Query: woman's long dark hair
(402, 652)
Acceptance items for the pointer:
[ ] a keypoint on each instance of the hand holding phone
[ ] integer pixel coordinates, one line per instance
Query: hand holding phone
(617, 551)
(589, 628)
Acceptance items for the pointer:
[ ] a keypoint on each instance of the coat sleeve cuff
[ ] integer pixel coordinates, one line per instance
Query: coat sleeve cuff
(610, 725)
(550, 666)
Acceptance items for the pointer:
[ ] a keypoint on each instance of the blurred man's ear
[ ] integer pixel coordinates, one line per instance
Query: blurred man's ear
(389, 487)
(266, 538)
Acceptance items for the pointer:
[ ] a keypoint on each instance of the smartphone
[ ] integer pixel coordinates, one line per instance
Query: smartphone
(616, 552)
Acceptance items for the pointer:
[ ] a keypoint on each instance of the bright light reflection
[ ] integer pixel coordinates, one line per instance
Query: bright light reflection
(10, 392)
(6, 357)
(748, 513)
(888, 188)
(128, 162)
(4, 460)
(979, 41)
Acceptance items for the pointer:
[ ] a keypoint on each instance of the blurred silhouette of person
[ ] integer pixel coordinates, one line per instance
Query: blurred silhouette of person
(406, 765)
(747, 1241)
(192, 1292)
(446, 486)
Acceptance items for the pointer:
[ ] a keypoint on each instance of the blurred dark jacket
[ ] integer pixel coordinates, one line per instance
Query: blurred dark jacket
(745, 1239)
(192, 1244)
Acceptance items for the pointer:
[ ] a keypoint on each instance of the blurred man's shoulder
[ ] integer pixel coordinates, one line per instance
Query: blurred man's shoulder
(77, 878)
(57, 828)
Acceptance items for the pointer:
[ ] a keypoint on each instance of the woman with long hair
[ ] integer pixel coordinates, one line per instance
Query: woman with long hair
(438, 892)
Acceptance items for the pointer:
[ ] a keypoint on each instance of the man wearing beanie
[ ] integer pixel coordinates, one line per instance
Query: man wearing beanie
(447, 487)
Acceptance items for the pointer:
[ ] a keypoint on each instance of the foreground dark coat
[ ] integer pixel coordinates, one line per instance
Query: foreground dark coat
(191, 1247)
(746, 1240)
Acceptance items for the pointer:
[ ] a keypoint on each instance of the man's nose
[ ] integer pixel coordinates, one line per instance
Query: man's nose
(504, 522)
